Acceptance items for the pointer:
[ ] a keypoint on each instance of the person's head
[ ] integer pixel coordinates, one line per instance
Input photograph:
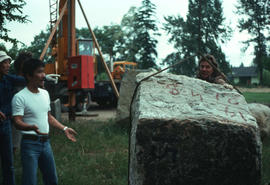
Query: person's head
(18, 63)
(4, 63)
(206, 71)
(33, 72)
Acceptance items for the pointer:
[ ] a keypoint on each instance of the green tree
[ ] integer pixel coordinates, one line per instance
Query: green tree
(146, 28)
(38, 44)
(202, 31)
(254, 18)
(266, 63)
(10, 10)
(110, 38)
(3, 47)
(129, 48)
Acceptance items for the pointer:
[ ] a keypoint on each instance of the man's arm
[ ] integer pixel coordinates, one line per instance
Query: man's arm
(2, 116)
(19, 124)
(17, 80)
(70, 133)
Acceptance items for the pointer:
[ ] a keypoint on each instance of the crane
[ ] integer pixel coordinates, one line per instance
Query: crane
(65, 49)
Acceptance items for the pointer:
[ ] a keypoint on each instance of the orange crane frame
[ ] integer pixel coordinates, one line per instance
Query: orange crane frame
(66, 46)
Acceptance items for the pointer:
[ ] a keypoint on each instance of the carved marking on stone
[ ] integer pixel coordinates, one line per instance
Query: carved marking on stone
(231, 102)
(233, 114)
(242, 116)
(229, 113)
(173, 89)
(162, 82)
(226, 110)
(192, 93)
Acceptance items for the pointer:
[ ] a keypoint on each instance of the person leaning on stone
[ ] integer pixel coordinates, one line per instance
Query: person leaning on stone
(208, 73)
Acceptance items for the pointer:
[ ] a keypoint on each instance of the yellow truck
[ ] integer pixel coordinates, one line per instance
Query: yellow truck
(120, 67)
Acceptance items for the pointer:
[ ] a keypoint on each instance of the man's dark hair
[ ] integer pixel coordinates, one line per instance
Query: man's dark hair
(30, 66)
(18, 63)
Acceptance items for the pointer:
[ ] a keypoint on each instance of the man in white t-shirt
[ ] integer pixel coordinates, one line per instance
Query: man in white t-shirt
(31, 113)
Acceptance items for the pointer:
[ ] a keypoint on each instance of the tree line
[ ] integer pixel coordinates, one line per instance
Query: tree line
(135, 38)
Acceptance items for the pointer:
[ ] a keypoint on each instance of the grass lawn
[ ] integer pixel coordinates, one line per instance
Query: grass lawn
(99, 157)
(252, 97)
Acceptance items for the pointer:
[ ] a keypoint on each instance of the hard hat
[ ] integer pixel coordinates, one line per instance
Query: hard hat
(4, 56)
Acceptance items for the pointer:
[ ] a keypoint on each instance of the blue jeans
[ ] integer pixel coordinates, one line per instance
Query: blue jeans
(6, 153)
(36, 154)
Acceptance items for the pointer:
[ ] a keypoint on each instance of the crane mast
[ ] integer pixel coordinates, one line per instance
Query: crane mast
(74, 59)
(53, 7)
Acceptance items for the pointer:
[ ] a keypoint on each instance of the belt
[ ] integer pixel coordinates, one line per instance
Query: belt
(35, 137)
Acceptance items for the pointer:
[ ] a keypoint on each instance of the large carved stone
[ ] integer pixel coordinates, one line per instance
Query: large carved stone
(190, 132)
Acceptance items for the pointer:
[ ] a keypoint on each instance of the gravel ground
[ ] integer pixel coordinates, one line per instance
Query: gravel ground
(95, 113)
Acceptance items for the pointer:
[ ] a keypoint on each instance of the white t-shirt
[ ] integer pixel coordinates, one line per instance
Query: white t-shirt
(34, 108)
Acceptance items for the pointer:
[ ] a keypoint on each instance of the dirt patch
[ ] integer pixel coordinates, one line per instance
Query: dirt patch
(259, 89)
(95, 113)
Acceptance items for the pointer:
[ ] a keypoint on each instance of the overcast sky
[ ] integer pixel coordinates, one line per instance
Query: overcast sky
(106, 12)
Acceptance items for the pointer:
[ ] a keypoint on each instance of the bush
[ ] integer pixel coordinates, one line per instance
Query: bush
(266, 77)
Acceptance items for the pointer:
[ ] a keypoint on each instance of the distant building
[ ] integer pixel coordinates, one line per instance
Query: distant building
(245, 75)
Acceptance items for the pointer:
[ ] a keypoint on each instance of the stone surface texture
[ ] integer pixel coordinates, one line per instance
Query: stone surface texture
(128, 85)
(262, 114)
(190, 132)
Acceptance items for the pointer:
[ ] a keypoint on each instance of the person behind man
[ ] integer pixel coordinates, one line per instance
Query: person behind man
(208, 73)
(31, 113)
(7, 84)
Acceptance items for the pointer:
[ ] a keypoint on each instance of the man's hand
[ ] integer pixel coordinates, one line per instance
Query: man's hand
(228, 86)
(36, 129)
(70, 133)
(52, 77)
(2, 116)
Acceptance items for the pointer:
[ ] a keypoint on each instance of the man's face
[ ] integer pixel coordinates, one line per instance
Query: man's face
(4, 67)
(206, 70)
(38, 77)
